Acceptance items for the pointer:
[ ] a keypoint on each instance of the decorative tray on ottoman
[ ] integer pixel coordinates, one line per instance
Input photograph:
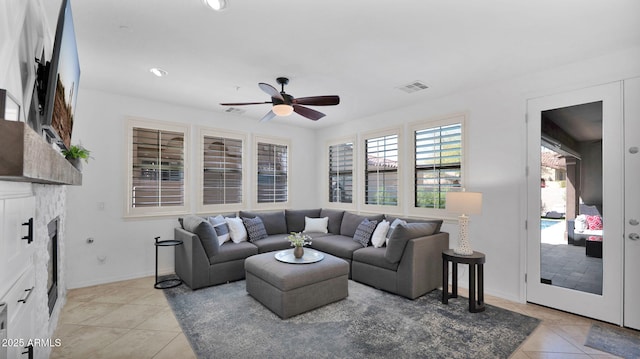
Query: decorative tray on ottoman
(309, 256)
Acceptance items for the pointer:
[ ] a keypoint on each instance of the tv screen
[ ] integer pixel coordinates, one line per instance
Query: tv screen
(62, 81)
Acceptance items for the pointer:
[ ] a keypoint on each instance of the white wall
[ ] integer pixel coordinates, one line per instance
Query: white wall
(496, 155)
(127, 244)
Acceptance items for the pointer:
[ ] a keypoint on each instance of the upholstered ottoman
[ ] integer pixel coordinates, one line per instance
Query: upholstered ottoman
(290, 289)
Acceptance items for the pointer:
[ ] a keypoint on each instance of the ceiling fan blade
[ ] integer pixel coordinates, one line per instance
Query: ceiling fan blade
(244, 103)
(308, 113)
(318, 100)
(268, 116)
(270, 90)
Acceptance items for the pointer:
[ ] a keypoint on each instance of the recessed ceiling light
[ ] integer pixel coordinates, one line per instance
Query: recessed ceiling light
(158, 71)
(217, 5)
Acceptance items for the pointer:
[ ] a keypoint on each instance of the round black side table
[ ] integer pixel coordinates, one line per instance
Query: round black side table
(170, 282)
(475, 260)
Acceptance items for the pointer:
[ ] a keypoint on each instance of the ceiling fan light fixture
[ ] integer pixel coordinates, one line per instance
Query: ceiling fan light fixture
(282, 109)
(158, 72)
(217, 5)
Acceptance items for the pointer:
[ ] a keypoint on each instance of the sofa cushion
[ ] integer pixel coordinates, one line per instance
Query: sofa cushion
(295, 218)
(237, 231)
(274, 222)
(350, 222)
(316, 225)
(233, 251)
(337, 245)
(335, 219)
(364, 231)
(402, 234)
(221, 227)
(205, 231)
(375, 257)
(379, 236)
(438, 222)
(255, 229)
(276, 242)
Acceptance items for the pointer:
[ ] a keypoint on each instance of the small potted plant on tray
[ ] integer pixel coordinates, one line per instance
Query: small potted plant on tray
(298, 240)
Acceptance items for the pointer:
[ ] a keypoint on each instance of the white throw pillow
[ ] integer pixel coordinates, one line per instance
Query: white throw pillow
(393, 225)
(580, 224)
(380, 234)
(236, 229)
(317, 225)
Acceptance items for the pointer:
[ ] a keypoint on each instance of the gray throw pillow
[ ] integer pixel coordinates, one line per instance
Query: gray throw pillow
(205, 231)
(402, 234)
(364, 231)
(222, 228)
(255, 229)
(274, 222)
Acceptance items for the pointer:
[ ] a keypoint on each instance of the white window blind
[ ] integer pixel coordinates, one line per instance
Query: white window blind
(221, 170)
(157, 168)
(272, 178)
(341, 173)
(381, 175)
(438, 161)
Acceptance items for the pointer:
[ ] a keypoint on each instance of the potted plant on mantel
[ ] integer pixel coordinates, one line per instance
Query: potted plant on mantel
(75, 154)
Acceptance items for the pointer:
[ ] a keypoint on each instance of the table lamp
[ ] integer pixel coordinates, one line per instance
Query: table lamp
(464, 203)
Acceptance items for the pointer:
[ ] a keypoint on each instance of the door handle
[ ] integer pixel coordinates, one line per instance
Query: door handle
(633, 222)
(634, 236)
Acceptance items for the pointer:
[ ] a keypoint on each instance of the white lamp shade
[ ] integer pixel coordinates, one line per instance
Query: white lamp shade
(282, 110)
(464, 202)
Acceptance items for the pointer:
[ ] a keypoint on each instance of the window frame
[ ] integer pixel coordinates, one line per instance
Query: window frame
(155, 125)
(354, 174)
(278, 141)
(377, 208)
(226, 207)
(446, 120)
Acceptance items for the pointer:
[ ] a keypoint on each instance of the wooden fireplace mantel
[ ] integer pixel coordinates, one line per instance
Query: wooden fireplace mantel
(25, 156)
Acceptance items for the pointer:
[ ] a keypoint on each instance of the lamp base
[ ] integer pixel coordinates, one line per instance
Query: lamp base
(464, 247)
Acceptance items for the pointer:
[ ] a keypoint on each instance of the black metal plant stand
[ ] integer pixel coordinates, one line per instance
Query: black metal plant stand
(169, 282)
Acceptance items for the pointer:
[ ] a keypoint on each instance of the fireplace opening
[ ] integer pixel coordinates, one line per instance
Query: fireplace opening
(52, 266)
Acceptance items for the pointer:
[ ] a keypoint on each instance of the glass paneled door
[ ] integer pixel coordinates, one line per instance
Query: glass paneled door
(574, 202)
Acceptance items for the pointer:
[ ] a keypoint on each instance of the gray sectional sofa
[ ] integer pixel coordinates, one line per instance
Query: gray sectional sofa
(409, 265)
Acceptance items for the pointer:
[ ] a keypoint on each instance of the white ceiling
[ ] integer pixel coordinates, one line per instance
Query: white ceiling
(361, 50)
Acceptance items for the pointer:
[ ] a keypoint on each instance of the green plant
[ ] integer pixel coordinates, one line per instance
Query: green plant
(298, 239)
(77, 151)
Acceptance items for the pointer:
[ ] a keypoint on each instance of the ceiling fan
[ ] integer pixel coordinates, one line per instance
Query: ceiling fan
(285, 104)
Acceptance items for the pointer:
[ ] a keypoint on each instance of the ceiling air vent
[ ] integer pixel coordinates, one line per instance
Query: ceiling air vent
(414, 86)
(235, 110)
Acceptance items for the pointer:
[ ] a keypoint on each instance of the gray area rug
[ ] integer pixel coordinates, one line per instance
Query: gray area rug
(225, 322)
(617, 341)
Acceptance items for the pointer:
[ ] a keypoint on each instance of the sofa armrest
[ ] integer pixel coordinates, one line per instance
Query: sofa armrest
(420, 268)
(191, 262)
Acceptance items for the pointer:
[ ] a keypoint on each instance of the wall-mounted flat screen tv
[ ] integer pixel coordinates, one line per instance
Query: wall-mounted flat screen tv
(62, 81)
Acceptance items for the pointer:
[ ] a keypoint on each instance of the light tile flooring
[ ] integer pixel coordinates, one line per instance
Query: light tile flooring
(131, 319)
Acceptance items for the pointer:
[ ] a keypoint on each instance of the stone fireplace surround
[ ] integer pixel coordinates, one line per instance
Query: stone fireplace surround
(50, 203)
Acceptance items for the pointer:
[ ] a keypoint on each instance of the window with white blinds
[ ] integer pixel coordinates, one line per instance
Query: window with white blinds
(272, 172)
(438, 164)
(222, 177)
(381, 176)
(341, 173)
(157, 168)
